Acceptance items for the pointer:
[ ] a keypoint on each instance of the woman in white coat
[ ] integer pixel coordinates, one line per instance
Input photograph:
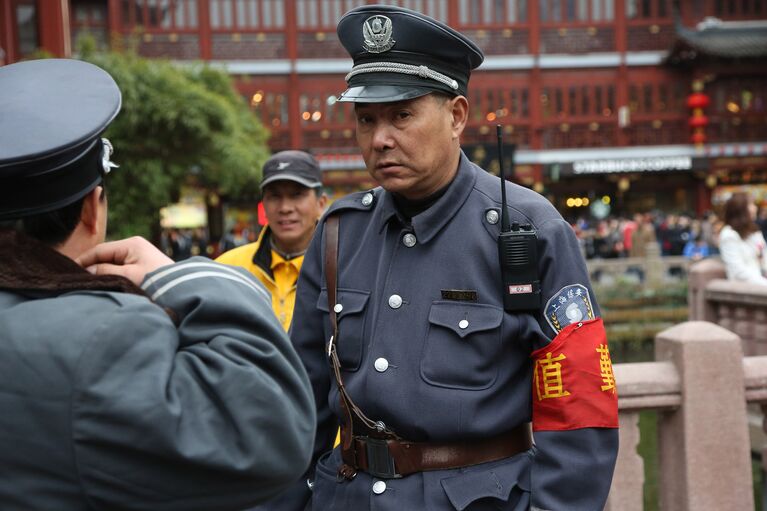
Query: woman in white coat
(741, 243)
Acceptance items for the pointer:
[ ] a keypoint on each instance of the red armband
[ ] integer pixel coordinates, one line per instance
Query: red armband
(573, 380)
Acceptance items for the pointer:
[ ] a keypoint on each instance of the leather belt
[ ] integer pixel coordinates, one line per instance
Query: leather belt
(392, 458)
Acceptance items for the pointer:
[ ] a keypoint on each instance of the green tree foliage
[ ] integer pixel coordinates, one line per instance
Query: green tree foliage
(177, 123)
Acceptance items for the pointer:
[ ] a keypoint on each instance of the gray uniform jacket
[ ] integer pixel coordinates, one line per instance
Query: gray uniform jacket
(410, 360)
(106, 404)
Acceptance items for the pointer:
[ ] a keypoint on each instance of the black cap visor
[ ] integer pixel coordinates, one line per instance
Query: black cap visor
(383, 93)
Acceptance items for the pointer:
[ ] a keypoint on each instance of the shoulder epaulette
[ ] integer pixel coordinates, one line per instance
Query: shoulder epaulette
(359, 201)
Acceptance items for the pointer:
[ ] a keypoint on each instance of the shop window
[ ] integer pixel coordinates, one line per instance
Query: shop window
(546, 102)
(158, 14)
(26, 21)
(610, 101)
(576, 10)
(647, 9)
(739, 8)
(323, 13)
(740, 96)
(663, 102)
(572, 101)
(497, 104)
(437, 9)
(559, 103)
(525, 110)
(271, 107)
(323, 108)
(247, 14)
(491, 12)
(89, 17)
(585, 104)
(326, 13)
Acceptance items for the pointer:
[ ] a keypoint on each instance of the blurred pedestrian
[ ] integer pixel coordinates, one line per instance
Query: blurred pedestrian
(697, 248)
(741, 243)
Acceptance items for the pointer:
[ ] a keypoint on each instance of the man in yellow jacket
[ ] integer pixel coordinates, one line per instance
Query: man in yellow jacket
(293, 199)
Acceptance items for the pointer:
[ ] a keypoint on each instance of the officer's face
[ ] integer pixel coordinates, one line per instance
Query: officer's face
(292, 211)
(411, 147)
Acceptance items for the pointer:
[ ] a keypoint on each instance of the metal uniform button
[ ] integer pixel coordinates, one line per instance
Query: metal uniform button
(381, 364)
(409, 240)
(367, 199)
(463, 324)
(492, 217)
(395, 301)
(379, 487)
(337, 308)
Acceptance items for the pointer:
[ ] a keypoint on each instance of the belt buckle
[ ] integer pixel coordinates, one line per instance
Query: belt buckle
(380, 461)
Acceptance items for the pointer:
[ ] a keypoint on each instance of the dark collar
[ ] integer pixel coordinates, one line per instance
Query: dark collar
(428, 223)
(30, 267)
(263, 255)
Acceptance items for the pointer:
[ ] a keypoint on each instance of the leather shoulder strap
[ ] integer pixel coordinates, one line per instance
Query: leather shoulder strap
(331, 267)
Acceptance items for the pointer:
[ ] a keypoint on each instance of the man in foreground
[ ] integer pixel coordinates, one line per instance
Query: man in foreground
(126, 381)
(432, 353)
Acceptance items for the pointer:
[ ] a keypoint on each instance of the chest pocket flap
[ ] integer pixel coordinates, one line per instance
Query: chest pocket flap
(465, 318)
(462, 345)
(351, 324)
(507, 481)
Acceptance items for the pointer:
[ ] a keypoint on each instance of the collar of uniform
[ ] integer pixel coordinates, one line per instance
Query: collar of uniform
(427, 224)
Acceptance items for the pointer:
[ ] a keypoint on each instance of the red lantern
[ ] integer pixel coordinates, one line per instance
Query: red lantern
(698, 137)
(700, 121)
(698, 100)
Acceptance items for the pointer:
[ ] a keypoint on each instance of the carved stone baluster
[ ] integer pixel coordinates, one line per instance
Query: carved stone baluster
(760, 330)
(741, 325)
(628, 481)
(724, 316)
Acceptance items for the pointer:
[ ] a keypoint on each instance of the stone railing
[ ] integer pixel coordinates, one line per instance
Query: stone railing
(654, 268)
(737, 306)
(700, 385)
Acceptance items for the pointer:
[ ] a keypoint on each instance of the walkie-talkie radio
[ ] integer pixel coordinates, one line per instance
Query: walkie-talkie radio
(517, 251)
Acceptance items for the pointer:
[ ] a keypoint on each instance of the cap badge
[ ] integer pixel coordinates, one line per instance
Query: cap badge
(377, 32)
(106, 154)
(283, 165)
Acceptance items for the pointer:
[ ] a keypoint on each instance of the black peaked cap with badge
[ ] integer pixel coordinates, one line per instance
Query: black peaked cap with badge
(297, 166)
(52, 114)
(401, 54)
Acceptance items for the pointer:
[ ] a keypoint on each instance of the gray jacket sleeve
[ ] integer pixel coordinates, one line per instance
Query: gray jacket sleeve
(573, 468)
(215, 413)
(306, 333)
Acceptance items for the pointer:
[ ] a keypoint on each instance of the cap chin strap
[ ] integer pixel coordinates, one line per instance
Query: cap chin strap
(407, 69)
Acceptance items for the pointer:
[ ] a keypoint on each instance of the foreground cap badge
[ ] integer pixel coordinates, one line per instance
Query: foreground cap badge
(377, 33)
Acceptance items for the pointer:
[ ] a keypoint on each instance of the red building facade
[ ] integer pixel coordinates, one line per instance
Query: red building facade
(593, 92)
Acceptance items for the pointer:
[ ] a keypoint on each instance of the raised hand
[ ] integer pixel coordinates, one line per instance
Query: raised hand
(131, 258)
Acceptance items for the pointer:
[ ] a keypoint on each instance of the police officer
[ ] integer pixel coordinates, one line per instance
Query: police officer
(432, 353)
(293, 202)
(126, 381)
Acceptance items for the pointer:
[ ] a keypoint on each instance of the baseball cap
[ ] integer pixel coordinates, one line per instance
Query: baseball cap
(297, 166)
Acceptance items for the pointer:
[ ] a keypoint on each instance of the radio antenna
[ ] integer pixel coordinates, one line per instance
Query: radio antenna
(504, 213)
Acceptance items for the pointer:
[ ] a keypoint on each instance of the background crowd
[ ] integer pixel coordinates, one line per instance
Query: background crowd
(686, 235)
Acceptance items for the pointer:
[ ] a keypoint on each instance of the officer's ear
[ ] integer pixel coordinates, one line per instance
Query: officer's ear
(459, 110)
(92, 213)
